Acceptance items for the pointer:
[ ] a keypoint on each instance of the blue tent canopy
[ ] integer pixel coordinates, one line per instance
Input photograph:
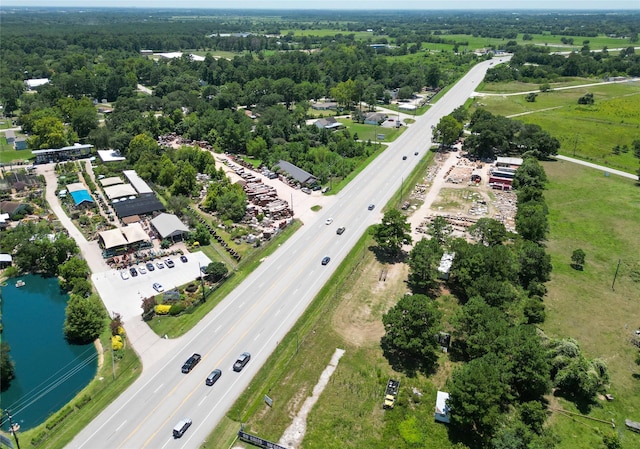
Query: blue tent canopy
(80, 196)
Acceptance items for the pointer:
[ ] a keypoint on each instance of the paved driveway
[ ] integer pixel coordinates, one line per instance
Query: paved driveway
(124, 296)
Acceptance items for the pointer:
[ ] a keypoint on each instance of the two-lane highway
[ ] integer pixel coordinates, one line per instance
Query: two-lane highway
(259, 313)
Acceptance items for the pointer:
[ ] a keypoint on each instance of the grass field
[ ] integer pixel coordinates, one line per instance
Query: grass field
(586, 132)
(600, 215)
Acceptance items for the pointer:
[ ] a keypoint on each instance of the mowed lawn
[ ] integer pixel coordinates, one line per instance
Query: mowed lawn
(600, 215)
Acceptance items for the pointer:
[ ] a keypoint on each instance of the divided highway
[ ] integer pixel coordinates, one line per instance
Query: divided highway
(259, 313)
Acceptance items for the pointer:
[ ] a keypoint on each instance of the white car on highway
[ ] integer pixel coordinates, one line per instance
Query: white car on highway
(329, 221)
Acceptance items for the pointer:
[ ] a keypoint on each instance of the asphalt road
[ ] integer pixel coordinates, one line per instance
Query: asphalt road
(259, 313)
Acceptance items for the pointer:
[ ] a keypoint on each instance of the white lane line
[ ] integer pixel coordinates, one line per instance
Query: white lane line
(240, 306)
(120, 426)
(158, 389)
(217, 329)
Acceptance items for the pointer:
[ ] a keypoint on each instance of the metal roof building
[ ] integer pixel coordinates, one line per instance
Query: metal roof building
(137, 182)
(169, 226)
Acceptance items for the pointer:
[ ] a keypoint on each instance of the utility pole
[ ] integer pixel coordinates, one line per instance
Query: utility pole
(615, 276)
(13, 428)
(201, 281)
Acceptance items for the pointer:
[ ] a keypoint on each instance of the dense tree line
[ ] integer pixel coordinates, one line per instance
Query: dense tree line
(536, 64)
(494, 134)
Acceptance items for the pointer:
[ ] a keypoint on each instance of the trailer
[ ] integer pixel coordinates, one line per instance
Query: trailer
(391, 393)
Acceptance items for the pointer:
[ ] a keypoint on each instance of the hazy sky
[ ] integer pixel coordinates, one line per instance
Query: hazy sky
(341, 4)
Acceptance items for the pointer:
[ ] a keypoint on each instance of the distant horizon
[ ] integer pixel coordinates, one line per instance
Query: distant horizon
(335, 5)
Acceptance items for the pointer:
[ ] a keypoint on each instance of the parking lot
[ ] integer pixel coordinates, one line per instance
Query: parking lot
(124, 296)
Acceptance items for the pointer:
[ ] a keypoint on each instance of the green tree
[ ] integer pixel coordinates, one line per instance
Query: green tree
(535, 263)
(534, 310)
(185, 179)
(393, 232)
(439, 229)
(201, 235)
(231, 203)
(139, 145)
(489, 231)
(84, 319)
(530, 174)
(72, 269)
(612, 441)
(423, 264)
(577, 259)
(7, 366)
(448, 130)
(531, 221)
(84, 120)
(526, 359)
(49, 132)
(479, 396)
(531, 97)
(410, 329)
(477, 328)
(216, 271)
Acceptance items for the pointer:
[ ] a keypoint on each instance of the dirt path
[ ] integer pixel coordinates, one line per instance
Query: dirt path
(294, 434)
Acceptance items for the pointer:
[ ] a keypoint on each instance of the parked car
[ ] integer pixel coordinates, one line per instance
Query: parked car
(183, 258)
(306, 190)
(340, 230)
(213, 377)
(404, 158)
(133, 272)
(241, 362)
(124, 274)
(160, 265)
(371, 206)
(150, 266)
(325, 260)
(142, 270)
(328, 221)
(181, 427)
(158, 287)
(169, 263)
(191, 363)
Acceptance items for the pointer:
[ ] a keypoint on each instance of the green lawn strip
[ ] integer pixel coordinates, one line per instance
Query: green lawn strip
(89, 402)
(600, 215)
(176, 326)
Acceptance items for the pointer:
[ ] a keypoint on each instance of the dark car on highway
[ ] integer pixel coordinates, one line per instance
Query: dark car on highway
(213, 377)
(340, 230)
(241, 362)
(191, 363)
(326, 260)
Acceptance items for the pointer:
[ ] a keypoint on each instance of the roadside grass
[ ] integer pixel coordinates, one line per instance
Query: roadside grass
(586, 132)
(89, 402)
(176, 326)
(599, 215)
